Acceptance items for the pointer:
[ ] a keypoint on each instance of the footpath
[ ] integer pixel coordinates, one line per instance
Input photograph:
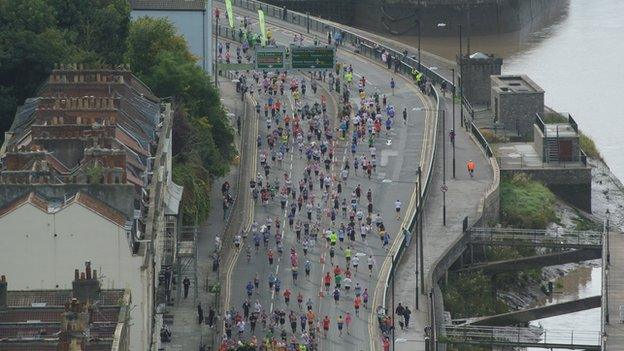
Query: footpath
(462, 199)
(186, 332)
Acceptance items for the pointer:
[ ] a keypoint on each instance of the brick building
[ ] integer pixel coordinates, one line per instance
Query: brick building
(87, 162)
(85, 317)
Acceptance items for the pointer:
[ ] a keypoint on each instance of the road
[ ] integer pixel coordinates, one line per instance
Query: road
(398, 156)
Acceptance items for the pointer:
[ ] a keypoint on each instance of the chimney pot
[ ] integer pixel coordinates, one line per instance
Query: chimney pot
(76, 274)
(95, 274)
(3, 293)
(82, 276)
(88, 269)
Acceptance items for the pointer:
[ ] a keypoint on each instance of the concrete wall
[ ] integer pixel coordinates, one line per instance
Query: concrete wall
(42, 250)
(516, 111)
(571, 184)
(117, 196)
(538, 141)
(196, 30)
(486, 16)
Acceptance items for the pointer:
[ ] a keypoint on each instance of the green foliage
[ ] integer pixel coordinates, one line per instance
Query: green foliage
(98, 26)
(491, 137)
(588, 145)
(148, 38)
(202, 138)
(94, 174)
(196, 195)
(36, 34)
(526, 203)
(471, 295)
(554, 117)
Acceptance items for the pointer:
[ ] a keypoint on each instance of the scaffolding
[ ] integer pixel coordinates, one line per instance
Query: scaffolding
(186, 259)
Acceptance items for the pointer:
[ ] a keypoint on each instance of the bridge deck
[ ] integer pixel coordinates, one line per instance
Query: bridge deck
(523, 337)
(535, 237)
(615, 292)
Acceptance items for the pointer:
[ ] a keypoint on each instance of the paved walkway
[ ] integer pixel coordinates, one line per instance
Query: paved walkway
(187, 333)
(462, 199)
(615, 299)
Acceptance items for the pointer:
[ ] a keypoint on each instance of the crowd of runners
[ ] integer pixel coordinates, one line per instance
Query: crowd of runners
(324, 207)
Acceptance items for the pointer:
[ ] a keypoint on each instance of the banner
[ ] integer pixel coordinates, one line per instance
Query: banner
(228, 8)
(262, 27)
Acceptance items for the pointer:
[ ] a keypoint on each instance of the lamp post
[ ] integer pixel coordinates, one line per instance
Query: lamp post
(216, 66)
(444, 188)
(607, 231)
(419, 243)
(453, 129)
(419, 17)
(461, 78)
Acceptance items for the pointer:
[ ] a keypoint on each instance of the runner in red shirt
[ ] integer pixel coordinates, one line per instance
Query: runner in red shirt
(325, 326)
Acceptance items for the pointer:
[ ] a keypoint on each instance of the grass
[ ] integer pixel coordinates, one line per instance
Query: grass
(588, 145)
(553, 117)
(491, 137)
(526, 203)
(583, 223)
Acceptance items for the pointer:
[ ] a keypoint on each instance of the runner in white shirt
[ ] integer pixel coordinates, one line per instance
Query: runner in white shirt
(397, 207)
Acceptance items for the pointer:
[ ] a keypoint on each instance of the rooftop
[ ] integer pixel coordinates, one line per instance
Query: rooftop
(54, 319)
(516, 84)
(52, 206)
(176, 5)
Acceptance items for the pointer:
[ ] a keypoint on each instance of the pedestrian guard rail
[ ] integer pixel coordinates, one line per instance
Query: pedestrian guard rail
(522, 336)
(535, 237)
(523, 161)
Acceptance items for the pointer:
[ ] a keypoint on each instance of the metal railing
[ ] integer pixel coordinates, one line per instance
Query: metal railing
(481, 139)
(523, 337)
(372, 50)
(535, 237)
(525, 161)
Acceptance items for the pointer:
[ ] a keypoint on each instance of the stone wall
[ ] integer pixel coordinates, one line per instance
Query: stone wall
(516, 111)
(475, 75)
(571, 184)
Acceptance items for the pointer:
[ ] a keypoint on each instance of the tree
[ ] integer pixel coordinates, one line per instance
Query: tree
(99, 26)
(147, 38)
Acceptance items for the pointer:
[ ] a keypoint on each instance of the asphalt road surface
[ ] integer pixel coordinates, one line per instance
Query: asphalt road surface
(398, 153)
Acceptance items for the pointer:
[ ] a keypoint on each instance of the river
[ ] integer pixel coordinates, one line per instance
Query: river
(577, 60)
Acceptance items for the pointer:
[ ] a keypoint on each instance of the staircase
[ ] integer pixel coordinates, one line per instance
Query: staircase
(552, 150)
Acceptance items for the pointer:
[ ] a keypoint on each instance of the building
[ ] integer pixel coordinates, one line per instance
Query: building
(192, 18)
(85, 173)
(557, 142)
(475, 71)
(516, 99)
(83, 317)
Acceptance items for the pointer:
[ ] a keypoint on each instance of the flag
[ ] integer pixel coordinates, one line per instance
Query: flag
(262, 27)
(228, 7)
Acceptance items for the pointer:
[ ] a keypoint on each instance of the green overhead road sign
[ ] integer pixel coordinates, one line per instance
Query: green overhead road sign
(313, 57)
(234, 66)
(270, 58)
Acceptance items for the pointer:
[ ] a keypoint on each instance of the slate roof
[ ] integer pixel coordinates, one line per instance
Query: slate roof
(176, 5)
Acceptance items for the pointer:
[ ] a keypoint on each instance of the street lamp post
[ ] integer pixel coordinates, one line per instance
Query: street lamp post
(419, 27)
(453, 129)
(216, 67)
(444, 188)
(461, 78)
(418, 240)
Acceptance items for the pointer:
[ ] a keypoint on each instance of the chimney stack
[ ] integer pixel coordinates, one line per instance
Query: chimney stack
(87, 288)
(75, 324)
(3, 293)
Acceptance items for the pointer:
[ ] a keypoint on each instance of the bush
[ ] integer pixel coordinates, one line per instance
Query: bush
(588, 145)
(471, 295)
(491, 137)
(526, 203)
